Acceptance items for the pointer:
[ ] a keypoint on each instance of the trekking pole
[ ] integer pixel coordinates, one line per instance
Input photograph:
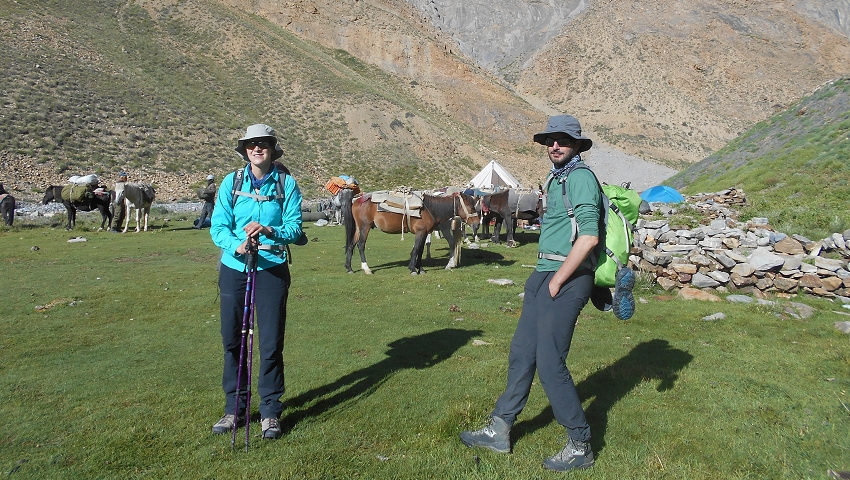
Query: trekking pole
(252, 262)
(247, 338)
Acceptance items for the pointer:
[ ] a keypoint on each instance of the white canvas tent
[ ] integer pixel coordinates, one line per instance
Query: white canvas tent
(492, 176)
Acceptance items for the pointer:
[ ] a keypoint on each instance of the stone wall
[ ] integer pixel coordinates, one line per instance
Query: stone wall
(743, 257)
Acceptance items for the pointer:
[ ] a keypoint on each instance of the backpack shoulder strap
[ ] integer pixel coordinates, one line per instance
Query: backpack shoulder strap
(237, 184)
(279, 195)
(563, 181)
(568, 205)
(282, 172)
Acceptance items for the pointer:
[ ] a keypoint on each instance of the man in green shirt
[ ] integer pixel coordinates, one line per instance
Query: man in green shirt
(555, 294)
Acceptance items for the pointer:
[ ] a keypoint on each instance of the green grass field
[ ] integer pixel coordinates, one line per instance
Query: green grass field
(110, 367)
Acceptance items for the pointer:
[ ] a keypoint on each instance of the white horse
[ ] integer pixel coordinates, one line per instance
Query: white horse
(138, 195)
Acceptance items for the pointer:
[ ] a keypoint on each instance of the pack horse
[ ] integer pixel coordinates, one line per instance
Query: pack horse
(138, 195)
(100, 201)
(508, 206)
(7, 206)
(414, 212)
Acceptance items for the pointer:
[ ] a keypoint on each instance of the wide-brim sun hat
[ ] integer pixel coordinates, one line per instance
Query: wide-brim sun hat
(567, 124)
(259, 130)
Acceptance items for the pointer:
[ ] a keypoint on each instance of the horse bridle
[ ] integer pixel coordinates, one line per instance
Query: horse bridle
(457, 196)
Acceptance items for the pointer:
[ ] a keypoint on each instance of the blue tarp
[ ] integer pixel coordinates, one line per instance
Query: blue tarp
(662, 193)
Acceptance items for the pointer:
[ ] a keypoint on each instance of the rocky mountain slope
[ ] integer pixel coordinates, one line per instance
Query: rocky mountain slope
(670, 81)
(423, 91)
(675, 81)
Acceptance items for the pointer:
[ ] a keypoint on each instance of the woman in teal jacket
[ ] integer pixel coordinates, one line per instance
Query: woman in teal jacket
(257, 214)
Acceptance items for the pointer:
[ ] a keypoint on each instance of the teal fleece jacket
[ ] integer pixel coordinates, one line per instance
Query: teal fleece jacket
(229, 218)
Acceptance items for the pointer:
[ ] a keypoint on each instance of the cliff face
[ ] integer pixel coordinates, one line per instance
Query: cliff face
(502, 38)
(832, 13)
(665, 80)
(677, 80)
(390, 87)
(399, 39)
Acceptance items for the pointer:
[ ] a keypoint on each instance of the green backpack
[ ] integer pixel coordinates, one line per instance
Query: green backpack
(619, 219)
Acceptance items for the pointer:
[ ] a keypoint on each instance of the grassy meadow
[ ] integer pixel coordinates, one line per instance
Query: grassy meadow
(787, 164)
(110, 361)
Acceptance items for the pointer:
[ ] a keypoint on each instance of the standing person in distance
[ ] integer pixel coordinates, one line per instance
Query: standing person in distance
(258, 216)
(209, 197)
(555, 294)
(118, 207)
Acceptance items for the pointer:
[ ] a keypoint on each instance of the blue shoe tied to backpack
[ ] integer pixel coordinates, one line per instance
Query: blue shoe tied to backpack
(624, 300)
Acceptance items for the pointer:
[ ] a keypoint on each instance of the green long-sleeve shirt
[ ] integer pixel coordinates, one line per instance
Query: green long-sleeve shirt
(556, 229)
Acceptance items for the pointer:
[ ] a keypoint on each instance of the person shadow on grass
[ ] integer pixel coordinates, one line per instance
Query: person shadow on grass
(652, 360)
(416, 352)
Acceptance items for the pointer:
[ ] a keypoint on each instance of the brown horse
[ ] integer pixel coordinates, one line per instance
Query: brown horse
(361, 214)
(507, 207)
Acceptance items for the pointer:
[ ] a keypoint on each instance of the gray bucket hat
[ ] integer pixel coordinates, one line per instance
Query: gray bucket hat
(564, 124)
(259, 130)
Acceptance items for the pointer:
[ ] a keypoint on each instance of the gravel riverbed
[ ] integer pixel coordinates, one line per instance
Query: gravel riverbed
(25, 209)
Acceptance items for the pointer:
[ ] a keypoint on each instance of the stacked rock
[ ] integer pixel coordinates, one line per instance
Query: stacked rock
(749, 258)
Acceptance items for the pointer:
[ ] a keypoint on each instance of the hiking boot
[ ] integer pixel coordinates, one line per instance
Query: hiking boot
(226, 424)
(624, 301)
(271, 428)
(575, 455)
(496, 436)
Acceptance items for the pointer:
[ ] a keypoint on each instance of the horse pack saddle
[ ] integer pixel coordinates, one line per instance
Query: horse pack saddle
(523, 200)
(404, 202)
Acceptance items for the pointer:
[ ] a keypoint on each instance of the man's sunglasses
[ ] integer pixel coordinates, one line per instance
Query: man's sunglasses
(562, 141)
(263, 144)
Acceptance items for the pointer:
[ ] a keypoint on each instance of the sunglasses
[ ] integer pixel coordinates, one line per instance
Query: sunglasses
(263, 144)
(562, 141)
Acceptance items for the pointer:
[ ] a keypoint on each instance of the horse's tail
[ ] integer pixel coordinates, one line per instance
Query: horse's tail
(113, 197)
(345, 199)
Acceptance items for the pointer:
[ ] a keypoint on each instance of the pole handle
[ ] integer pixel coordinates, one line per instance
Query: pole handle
(251, 254)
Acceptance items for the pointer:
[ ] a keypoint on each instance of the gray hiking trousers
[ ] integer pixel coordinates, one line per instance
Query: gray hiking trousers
(541, 342)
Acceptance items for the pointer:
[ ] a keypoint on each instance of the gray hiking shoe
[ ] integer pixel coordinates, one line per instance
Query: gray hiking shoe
(271, 428)
(226, 424)
(496, 436)
(574, 455)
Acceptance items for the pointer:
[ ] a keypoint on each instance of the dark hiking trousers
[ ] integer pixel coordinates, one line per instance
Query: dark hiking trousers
(206, 212)
(542, 341)
(271, 288)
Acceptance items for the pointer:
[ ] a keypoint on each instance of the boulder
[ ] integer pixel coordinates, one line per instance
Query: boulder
(830, 284)
(764, 260)
(833, 265)
(688, 268)
(810, 281)
(666, 283)
(785, 284)
(789, 246)
(703, 281)
(688, 293)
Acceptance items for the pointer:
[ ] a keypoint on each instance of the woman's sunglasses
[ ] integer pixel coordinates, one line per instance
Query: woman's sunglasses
(263, 144)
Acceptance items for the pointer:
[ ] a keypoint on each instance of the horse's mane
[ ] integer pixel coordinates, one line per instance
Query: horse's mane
(441, 206)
